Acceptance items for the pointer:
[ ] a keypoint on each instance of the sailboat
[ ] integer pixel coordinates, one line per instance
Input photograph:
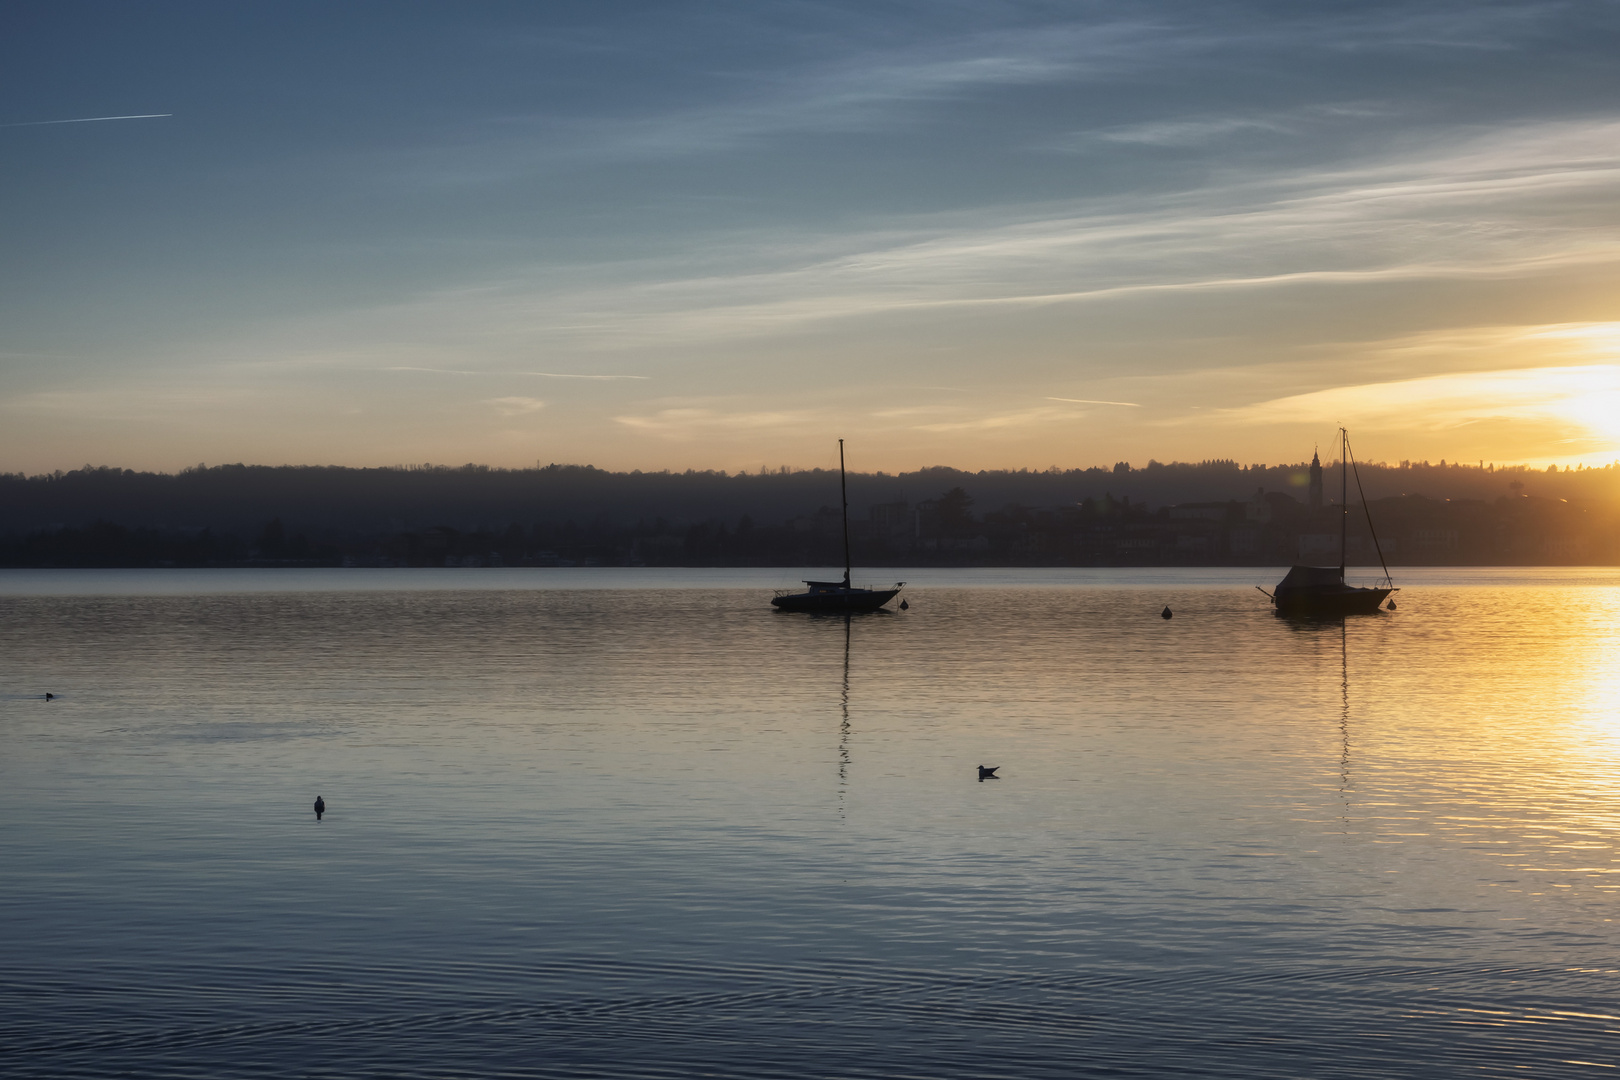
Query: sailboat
(1321, 590)
(837, 596)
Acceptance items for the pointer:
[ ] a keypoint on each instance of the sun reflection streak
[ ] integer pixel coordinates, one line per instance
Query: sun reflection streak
(1598, 675)
(1503, 743)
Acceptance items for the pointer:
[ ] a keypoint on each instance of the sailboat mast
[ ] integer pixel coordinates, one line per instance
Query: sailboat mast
(1343, 496)
(843, 491)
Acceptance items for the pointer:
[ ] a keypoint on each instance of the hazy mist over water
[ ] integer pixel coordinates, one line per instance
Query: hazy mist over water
(637, 823)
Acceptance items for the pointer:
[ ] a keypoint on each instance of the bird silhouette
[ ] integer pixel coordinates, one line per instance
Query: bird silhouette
(50, 697)
(1166, 613)
(320, 807)
(988, 772)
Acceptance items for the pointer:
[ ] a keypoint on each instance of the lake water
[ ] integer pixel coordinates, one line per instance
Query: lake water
(639, 824)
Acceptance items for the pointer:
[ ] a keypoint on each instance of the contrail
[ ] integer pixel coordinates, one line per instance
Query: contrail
(1094, 401)
(90, 119)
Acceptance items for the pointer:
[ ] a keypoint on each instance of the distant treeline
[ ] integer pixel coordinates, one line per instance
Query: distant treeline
(564, 514)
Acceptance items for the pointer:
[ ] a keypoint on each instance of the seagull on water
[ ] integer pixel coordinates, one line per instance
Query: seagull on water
(988, 772)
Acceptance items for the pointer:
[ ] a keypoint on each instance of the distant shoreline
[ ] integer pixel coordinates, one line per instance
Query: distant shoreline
(1214, 513)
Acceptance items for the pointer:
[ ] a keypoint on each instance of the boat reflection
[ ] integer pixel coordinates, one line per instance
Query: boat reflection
(843, 724)
(1344, 721)
(1318, 627)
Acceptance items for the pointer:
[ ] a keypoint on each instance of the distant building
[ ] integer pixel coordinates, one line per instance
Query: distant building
(1207, 511)
(1244, 541)
(1316, 481)
(1441, 539)
(1318, 547)
(1259, 507)
(893, 523)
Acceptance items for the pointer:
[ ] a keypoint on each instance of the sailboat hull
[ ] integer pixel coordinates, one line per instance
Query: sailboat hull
(1343, 600)
(838, 597)
(836, 600)
(1321, 590)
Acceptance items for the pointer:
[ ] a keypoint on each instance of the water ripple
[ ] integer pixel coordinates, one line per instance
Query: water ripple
(647, 833)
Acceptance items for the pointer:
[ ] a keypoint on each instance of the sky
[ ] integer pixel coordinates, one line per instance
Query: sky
(723, 236)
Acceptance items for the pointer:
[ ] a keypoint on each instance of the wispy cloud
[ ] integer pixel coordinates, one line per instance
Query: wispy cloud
(1460, 350)
(567, 375)
(859, 89)
(683, 423)
(1579, 406)
(912, 412)
(1504, 203)
(536, 374)
(1199, 130)
(723, 420)
(1187, 132)
(793, 214)
(159, 402)
(1002, 420)
(517, 406)
(876, 79)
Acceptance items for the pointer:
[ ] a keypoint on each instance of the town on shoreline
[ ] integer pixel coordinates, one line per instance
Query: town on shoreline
(1180, 514)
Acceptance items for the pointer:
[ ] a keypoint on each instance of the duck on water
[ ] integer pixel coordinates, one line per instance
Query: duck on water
(836, 596)
(1321, 590)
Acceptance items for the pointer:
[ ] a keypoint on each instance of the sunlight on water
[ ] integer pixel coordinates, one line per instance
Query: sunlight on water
(663, 829)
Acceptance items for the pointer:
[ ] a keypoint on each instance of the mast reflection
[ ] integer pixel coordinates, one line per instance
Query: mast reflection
(843, 727)
(1344, 720)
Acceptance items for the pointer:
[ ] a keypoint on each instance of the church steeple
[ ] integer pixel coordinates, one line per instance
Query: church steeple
(1316, 481)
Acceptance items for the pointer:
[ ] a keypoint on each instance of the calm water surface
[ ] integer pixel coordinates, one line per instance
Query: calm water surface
(625, 823)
